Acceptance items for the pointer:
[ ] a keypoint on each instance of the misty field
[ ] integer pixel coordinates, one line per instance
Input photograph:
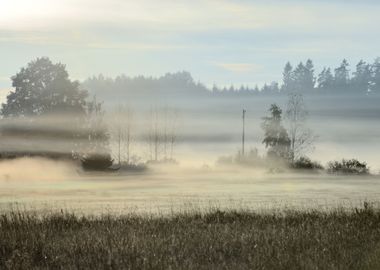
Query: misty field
(48, 186)
(312, 239)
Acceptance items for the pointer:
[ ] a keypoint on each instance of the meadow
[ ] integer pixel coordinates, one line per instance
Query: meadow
(214, 239)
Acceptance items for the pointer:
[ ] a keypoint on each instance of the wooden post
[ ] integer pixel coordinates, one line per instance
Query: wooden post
(243, 135)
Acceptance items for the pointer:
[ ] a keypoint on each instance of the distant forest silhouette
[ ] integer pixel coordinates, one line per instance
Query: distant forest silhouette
(363, 80)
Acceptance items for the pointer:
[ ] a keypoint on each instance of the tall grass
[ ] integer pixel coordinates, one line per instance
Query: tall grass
(215, 240)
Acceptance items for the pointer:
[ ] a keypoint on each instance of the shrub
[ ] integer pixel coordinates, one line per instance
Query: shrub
(97, 162)
(348, 166)
(305, 163)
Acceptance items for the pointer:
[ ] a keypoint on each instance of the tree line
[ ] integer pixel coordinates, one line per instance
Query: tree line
(362, 79)
(47, 106)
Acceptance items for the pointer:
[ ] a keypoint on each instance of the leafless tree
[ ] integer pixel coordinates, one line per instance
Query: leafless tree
(301, 138)
(173, 132)
(155, 135)
(122, 130)
(162, 133)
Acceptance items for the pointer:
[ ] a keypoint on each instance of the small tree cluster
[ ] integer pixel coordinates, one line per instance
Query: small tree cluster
(288, 143)
(276, 138)
(348, 166)
(305, 163)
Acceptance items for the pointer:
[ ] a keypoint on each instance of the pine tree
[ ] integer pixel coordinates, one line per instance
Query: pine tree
(342, 77)
(325, 80)
(375, 82)
(308, 76)
(362, 78)
(276, 138)
(287, 79)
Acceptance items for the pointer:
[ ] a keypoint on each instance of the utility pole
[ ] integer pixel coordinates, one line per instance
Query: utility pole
(243, 135)
(119, 139)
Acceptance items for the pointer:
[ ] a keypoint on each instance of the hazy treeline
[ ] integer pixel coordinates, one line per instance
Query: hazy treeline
(362, 79)
(171, 85)
(48, 115)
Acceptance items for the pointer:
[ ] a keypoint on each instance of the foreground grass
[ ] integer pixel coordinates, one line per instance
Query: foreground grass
(214, 240)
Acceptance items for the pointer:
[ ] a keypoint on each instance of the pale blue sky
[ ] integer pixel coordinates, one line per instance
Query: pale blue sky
(239, 42)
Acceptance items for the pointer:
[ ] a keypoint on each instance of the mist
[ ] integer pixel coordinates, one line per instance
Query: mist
(45, 186)
(212, 134)
(158, 144)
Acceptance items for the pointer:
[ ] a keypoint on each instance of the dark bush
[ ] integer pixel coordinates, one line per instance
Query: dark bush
(348, 166)
(97, 162)
(305, 163)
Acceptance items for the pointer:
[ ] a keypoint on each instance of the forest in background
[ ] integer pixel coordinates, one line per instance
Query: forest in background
(362, 80)
(63, 119)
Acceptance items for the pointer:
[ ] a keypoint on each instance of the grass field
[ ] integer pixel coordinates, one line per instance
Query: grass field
(338, 239)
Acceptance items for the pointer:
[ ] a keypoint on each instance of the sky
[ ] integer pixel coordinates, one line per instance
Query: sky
(218, 41)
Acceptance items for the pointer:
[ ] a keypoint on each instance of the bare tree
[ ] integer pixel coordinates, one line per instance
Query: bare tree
(122, 130)
(162, 135)
(301, 138)
(154, 135)
(173, 132)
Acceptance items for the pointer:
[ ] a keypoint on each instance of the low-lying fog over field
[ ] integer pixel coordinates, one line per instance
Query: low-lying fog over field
(160, 105)
(182, 153)
(212, 134)
(43, 185)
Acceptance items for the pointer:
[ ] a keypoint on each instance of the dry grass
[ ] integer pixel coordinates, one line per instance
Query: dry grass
(215, 240)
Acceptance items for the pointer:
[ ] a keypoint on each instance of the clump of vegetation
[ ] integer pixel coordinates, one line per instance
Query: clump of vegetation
(348, 166)
(192, 240)
(97, 162)
(305, 163)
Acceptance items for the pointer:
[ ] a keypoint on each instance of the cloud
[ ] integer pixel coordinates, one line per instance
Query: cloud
(238, 67)
(166, 25)
(181, 15)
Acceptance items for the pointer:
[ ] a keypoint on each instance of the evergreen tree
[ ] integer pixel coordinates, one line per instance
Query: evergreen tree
(342, 77)
(362, 78)
(303, 77)
(308, 76)
(325, 80)
(276, 138)
(375, 82)
(287, 79)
